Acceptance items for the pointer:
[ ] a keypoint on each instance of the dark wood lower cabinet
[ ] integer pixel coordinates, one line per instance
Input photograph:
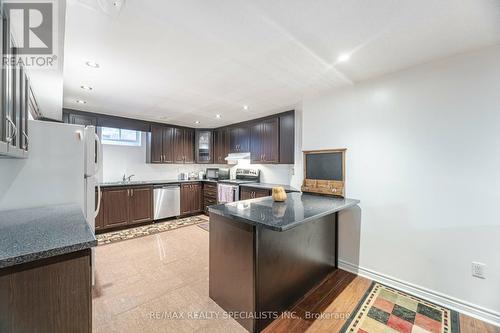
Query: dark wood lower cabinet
(141, 205)
(191, 198)
(209, 195)
(49, 295)
(122, 206)
(252, 193)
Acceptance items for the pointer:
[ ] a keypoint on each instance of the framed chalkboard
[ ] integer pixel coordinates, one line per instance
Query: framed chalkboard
(325, 166)
(324, 171)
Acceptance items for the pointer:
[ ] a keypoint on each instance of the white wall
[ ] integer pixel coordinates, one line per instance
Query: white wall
(423, 156)
(118, 160)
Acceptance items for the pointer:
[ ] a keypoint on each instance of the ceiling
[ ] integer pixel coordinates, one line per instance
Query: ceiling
(181, 61)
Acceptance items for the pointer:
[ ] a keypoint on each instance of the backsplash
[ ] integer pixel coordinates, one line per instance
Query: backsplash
(119, 160)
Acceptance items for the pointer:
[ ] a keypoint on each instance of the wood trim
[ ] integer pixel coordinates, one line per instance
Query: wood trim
(324, 186)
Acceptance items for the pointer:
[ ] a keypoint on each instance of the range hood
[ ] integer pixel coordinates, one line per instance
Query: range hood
(235, 157)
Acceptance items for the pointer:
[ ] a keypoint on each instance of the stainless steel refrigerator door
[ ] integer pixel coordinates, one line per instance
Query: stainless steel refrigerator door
(167, 202)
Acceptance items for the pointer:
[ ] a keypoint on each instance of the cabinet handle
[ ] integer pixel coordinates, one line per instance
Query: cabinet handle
(13, 128)
(131, 193)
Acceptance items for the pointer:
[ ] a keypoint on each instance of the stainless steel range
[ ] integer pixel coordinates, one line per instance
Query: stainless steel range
(228, 190)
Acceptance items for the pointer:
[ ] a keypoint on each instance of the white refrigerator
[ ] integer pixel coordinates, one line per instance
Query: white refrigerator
(62, 167)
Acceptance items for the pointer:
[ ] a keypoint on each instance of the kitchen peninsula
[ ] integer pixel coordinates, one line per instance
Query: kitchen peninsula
(276, 251)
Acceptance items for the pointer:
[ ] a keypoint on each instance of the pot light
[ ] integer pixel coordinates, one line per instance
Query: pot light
(218, 116)
(92, 64)
(245, 107)
(86, 88)
(343, 57)
(197, 122)
(79, 101)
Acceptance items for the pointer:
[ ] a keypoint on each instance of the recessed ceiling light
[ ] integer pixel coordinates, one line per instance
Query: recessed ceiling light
(92, 64)
(344, 57)
(86, 87)
(197, 122)
(245, 107)
(79, 101)
(218, 116)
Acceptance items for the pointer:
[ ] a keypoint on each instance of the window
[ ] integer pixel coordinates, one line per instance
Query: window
(121, 137)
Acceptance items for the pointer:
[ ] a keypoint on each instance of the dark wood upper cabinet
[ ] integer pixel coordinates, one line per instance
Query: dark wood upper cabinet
(141, 205)
(204, 146)
(287, 138)
(168, 145)
(156, 144)
(188, 145)
(183, 139)
(264, 144)
(221, 145)
(239, 139)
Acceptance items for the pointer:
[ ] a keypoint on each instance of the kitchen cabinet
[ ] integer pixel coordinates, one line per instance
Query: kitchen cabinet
(204, 146)
(287, 138)
(191, 198)
(252, 193)
(13, 103)
(183, 145)
(209, 195)
(264, 141)
(125, 205)
(160, 144)
(140, 205)
(239, 139)
(221, 145)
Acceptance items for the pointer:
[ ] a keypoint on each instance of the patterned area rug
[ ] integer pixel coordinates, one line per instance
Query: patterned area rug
(387, 310)
(204, 226)
(150, 229)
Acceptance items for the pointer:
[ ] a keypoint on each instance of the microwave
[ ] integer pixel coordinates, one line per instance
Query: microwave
(212, 173)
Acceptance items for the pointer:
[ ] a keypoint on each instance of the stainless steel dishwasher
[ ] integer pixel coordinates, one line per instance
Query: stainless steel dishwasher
(167, 201)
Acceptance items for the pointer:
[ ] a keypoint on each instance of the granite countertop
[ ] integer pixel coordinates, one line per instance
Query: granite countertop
(267, 186)
(153, 182)
(299, 208)
(36, 233)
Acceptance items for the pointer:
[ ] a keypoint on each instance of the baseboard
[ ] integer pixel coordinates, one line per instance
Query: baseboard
(452, 303)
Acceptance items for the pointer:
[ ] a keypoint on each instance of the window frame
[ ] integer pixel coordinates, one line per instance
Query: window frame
(121, 142)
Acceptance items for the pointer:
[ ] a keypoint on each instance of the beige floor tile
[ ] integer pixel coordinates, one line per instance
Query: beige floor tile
(146, 284)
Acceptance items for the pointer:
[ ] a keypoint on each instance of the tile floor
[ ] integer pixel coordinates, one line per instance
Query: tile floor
(140, 282)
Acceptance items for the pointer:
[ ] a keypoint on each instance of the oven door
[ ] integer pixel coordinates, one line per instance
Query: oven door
(227, 193)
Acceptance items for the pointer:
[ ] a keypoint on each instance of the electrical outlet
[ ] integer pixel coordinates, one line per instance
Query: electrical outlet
(479, 270)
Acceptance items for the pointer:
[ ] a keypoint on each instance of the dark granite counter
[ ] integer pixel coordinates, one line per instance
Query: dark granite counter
(280, 216)
(267, 186)
(36, 233)
(153, 182)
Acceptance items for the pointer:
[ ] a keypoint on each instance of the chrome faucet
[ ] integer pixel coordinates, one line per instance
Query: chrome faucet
(127, 179)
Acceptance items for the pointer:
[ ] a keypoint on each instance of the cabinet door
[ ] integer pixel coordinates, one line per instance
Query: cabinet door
(244, 139)
(287, 139)
(197, 198)
(204, 146)
(185, 199)
(256, 149)
(260, 193)
(156, 144)
(188, 146)
(141, 205)
(270, 141)
(99, 220)
(221, 146)
(116, 203)
(178, 135)
(234, 140)
(168, 145)
(245, 193)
